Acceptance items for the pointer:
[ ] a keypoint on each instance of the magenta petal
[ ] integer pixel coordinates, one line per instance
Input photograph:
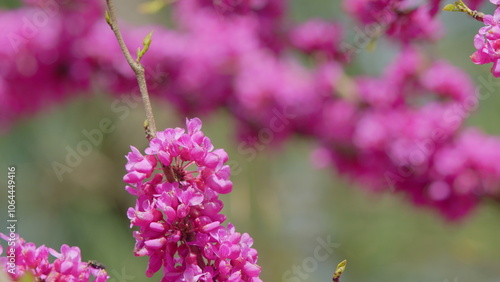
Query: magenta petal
(211, 226)
(235, 277)
(224, 172)
(496, 14)
(219, 185)
(131, 190)
(134, 177)
(222, 155)
(224, 267)
(155, 243)
(224, 251)
(182, 210)
(211, 160)
(131, 213)
(156, 226)
(171, 214)
(154, 264)
(495, 69)
(478, 41)
(66, 267)
(198, 153)
(196, 199)
(212, 208)
(144, 166)
(193, 125)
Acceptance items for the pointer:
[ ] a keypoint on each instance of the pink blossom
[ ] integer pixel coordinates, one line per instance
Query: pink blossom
(397, 142)
(41, 65)
(319, 37)
(177, 184)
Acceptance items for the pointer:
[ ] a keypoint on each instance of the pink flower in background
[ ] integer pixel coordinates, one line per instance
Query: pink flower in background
(372, 11)
(396, 141)
(487, 42)
(30, 260)
(41, 63)
(416, 23)
(177, 184)
(319, 37)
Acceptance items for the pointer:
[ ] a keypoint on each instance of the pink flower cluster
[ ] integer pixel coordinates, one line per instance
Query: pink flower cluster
(41, 61)
(25, 259)
(177, 184)
(487, 41)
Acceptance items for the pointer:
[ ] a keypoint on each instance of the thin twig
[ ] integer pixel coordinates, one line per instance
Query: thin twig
(460, 6)
(138, 69)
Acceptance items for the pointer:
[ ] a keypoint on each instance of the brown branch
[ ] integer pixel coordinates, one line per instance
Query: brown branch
(137, 67)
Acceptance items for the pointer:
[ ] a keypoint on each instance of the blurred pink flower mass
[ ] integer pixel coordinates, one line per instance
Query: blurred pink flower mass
(402, 131)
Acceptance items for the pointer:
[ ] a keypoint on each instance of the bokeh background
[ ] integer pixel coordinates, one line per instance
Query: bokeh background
(286, 205)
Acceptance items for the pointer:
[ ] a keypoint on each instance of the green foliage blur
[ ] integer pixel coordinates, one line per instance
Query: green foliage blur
(284, 203)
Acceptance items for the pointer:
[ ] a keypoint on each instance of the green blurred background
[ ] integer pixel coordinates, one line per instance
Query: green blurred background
(279, 198)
